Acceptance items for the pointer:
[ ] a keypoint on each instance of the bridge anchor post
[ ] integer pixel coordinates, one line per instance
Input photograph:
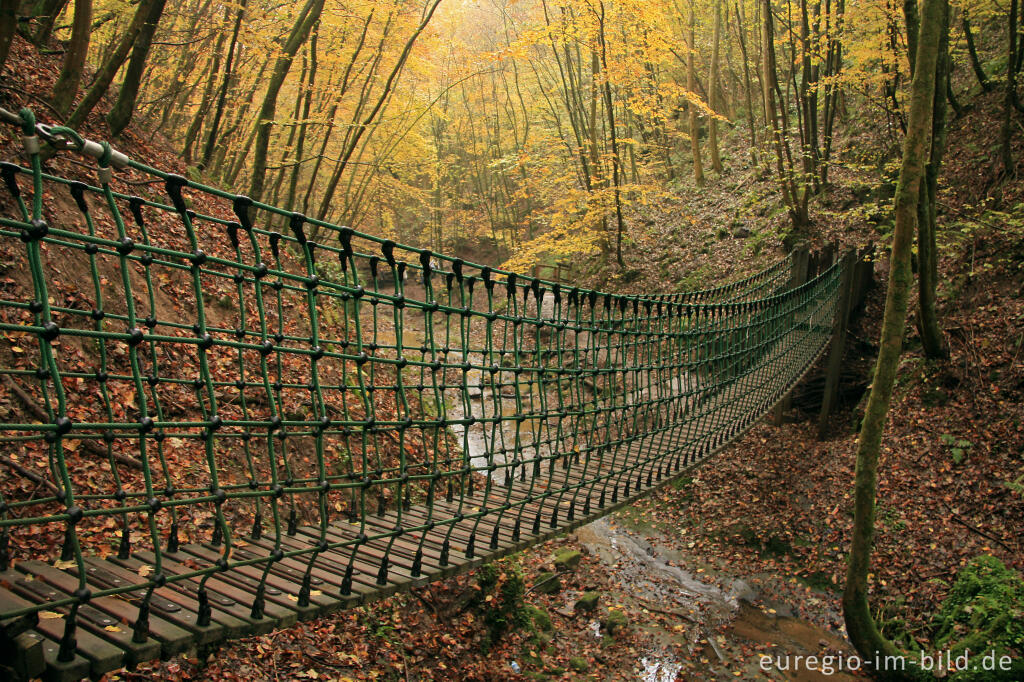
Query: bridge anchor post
(834, 368)
(798, 276)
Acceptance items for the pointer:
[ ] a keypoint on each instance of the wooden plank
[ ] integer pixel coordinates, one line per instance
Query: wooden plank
(222, 596)
(102, 614)
(287, 590)
(169, 604)
(102, 656)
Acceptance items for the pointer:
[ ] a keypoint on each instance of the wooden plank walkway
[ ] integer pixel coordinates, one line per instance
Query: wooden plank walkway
(571, 490)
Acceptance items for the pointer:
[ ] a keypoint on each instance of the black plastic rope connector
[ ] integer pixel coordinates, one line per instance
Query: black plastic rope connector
(275, 244)
(388, 249)
(37, 230)
(345, 239)
(232, 230)
(135, 206)
(77, 190)
(204, 613)
(457, 268)
(295, 222)
(68, 643)
(242, 206)
(425, 256)
(173, 185)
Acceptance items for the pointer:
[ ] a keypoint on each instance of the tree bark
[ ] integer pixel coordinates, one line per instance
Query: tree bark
(1009, 99)
(616, 161)
(211, 136)
(307, 105)
(110, 67)
(691, 85)
(121, 115)
(860, 624)
(8, 26)
(713, 100)
(751, 114)
(195, 127)
(931, 335)
(972, 51)
(70, 78)
(46, 12)
(309, 15)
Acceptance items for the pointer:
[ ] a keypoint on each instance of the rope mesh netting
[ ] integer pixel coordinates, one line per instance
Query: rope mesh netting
(249, 413)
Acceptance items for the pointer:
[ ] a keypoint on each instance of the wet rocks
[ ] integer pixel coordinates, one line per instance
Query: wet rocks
(567, 559)
(615, 621)
(587, 602)
(547, 582)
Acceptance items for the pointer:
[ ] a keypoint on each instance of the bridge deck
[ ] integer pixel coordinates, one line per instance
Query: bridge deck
(540, 511)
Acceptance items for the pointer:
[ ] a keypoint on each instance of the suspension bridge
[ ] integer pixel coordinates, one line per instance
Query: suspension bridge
(243, 417)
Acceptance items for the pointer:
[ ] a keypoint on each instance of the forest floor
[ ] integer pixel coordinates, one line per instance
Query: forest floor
(746, 556)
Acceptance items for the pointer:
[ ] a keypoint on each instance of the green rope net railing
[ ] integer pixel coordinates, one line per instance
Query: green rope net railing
(315, 409)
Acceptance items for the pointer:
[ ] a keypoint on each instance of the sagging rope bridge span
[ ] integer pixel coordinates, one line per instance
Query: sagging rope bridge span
(332, 416)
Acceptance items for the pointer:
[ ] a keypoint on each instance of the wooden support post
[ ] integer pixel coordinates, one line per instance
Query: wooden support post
(838, 342)
(797, 276)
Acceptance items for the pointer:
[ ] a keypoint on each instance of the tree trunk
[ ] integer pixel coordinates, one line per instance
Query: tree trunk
(309, 15)
(211, 136)
(860, 624)
(121, 115)
(46, 13)
(973, 52)
(713, 99)
(8, 26)
(927, 256)
(195, 127)
(66, 87)
(616, 161)
(110, 67)
(1006, 133)
(378, 107)
(307, 105)
(747, 90)
(691, 85)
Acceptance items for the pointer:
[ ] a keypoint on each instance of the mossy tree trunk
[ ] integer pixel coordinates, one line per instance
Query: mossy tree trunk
(860, 624)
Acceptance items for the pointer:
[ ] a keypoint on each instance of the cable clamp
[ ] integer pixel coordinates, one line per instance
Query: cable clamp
(31, 143)
(106, 174)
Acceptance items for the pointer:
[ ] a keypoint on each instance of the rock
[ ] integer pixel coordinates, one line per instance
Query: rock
(579, 664)
(615, 620)
(567, 559)
(540, 618)
(587, 602)
(743, 592)
(547, 583)
(741, 233)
